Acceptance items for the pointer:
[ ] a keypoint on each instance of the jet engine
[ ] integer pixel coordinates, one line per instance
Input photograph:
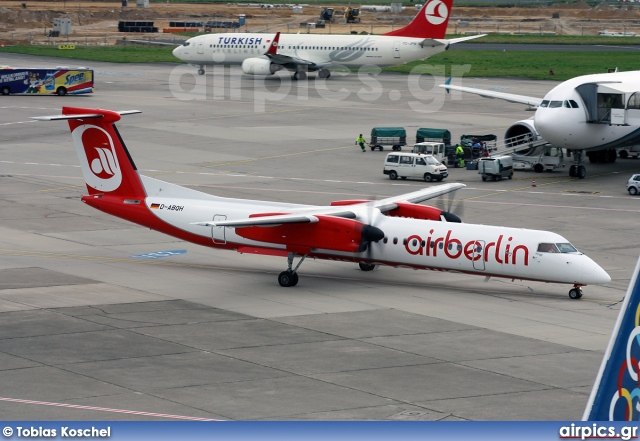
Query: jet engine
(259, 66)
(522, 132)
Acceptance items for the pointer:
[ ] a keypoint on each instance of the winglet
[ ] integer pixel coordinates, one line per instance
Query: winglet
(447, 83)
(273, 49)
(615, 392)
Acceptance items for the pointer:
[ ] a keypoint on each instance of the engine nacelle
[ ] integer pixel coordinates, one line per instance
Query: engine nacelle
(522, 132)
(259, 66)
(331, 233)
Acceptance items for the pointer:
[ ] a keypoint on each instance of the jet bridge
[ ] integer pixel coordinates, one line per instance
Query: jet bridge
(612, 103)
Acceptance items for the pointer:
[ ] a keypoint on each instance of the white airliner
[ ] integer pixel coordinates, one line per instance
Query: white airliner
(301, 53)
(395, 231)
(593, 113)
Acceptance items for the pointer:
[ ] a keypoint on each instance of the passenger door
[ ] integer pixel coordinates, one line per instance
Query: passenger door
(406, 167)
(218, 233)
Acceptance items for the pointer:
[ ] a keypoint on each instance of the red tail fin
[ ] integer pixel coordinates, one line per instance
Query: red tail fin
(106, 164)
(273, 48)
(431, 21)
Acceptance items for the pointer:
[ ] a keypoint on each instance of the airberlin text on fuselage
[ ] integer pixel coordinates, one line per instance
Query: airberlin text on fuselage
(498, 251)
(239, 40)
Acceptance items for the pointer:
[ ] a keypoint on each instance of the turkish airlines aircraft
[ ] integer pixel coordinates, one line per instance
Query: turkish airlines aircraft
(263, 54)
(594, 113)
(395, 231)
(616, 391)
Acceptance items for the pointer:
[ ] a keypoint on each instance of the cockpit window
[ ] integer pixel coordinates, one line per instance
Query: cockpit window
(555, 104)
(544, 103)
(547, 248)
(556, 248)
(186, 43)
(566, 248)
(566, 104)
(574, 105)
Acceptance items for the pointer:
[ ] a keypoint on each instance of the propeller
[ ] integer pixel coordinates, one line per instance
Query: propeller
(370, 233)
(448, 212)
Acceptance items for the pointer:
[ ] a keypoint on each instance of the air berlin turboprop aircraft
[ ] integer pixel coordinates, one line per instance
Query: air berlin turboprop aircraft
(265, 54)
(395, 231)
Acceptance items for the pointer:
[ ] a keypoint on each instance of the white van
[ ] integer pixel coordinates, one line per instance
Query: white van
(414, 165)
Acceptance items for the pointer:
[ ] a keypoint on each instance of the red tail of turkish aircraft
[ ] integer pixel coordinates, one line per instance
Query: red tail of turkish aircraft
(431, 21)
(106, 164)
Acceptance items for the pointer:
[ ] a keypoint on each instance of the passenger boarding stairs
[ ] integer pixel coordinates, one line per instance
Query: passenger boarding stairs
(530, 152)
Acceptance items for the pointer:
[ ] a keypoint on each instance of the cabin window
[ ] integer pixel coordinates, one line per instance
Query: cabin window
(393, 158)
(440, 245)
(566, 248)
(432, 245)
(404, 241)
(423, 244)
(547, 248)
(395, 240)
(414, 242)
(385, 240)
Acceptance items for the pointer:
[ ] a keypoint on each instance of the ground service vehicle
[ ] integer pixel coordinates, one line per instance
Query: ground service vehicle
(476, 143)
(436, 149)
(539, 159)
(633, 185)
(424, 134)
(54, 81)
(629, 152)
(496, 167)
(396, 137)
(414, 165)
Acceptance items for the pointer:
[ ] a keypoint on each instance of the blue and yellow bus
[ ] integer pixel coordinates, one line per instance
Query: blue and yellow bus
(53, 81)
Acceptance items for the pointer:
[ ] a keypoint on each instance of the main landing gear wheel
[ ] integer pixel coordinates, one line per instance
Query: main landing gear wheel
(575, 293)
(300, 75)
(290, 276)
(201, 71)
(367, 266)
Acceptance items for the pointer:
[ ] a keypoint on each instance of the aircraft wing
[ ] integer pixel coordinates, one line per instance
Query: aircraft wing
(461, 39)
(513, 98)
(438, 41)
(286, 60)
(309, 214)
(416, 196)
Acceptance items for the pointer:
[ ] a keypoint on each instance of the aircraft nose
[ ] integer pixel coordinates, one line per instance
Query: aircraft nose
(595, 274)
(176, 52)
(549, 126)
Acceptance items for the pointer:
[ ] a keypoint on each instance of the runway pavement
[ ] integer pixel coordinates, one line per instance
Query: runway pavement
(93, 328)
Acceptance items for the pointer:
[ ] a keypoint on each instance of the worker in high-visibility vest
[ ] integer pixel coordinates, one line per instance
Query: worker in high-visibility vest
(460, 156)
(360, 141)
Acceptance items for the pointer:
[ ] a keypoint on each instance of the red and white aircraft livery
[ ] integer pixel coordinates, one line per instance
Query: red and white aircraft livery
(265, 54)
(395, 231)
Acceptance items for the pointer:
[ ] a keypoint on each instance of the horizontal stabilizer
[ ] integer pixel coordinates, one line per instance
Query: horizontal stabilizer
(82, 116)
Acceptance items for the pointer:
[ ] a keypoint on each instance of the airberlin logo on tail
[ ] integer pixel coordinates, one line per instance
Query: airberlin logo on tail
(98, 157)
(436, 12)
